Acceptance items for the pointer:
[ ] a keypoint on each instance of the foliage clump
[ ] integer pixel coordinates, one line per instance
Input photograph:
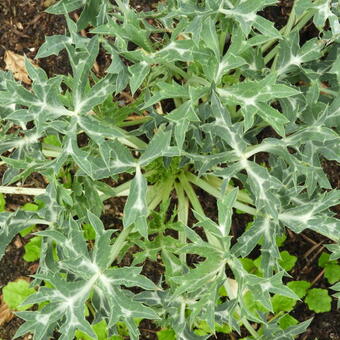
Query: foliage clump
(204, 79)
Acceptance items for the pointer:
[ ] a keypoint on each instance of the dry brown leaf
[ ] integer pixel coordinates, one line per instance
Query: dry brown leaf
(18, 243)
(16, 64)
(5, 313)
(48, 3)
(33, 268)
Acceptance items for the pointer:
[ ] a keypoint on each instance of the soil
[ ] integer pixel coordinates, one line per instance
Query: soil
(23, 26)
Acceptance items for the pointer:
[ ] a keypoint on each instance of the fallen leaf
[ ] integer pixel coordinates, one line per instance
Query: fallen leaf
(18, 243)
(5, 313)
(16, 64)
(48, 3)
(33, 268)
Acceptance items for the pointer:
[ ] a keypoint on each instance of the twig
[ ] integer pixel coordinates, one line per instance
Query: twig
(135, 117)
(316, 254)
(318, 277)
(312, 259)
(21, 191)
(310, 250)
(148, 330)
(308, 239)
(290, 233)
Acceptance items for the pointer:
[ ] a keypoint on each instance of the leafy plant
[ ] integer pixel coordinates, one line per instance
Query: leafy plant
(204, 80)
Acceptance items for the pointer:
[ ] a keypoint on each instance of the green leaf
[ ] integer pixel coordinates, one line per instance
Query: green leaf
(287, 261)
(32, 249)
(89, 232)
(249, 265)
(52, 45)
(135, 210)
(138, 73)
(287, 321)
(332, 272)
(336, 287)
(280, 240)
(272, 117)
(166, 334)
(318, 300)
(100, 330)
(282, 303)
(323, 259)
(252, 305)
(30, 207)
(15, 293)
(13, 223)
(65, 5)
(299, 287)
(266, 27)
(52, 140)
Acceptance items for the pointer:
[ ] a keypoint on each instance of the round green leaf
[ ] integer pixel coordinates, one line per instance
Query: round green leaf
(14, 293)
(318, 300)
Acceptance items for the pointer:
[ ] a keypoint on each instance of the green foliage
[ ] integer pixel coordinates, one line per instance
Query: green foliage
(332, 273)
(179, 114)
(318, 300)
(287, 321)
(252, 305)
(287, 261)
(32, 249)
(299, 287)
(101, 332)
(332, 268)
(166, 334)
(202, 328)
(15, 293)
(160, 172)
(282, 303)
(29, 207)
(89, 232)
(323, 259)
(52, 140)
(336, 287)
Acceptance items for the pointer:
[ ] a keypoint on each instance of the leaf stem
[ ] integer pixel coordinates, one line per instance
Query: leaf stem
(135, 122)
(159, 193)
(216, 193)
(249, 327)
(191, 194)
(330, 92)
(183, 212)
(120, 242)
(217, 182)
(178, 70)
